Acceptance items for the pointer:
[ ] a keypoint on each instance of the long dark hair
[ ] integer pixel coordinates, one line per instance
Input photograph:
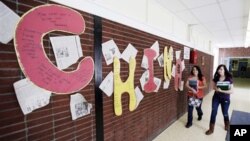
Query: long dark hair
(200, 75)
(228, 75)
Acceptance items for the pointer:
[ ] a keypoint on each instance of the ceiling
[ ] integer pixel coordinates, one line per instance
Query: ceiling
(225, 20)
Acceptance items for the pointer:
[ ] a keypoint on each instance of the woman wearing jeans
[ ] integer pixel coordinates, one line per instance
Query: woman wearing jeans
(195, 75)
(221, 97)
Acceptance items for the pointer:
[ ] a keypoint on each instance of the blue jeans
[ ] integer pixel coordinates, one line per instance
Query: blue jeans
(190, 112)
(225, 102)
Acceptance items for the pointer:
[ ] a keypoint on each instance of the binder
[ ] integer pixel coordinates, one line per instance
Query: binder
(225, 85)
(193, 84)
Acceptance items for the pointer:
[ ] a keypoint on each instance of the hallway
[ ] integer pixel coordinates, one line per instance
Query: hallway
(240, 101)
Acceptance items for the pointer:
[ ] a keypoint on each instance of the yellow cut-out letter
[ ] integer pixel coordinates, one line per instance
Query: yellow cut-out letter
(168, 59)
(120, 87)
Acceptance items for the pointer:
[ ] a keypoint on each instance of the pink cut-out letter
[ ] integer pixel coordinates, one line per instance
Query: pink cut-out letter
(150, 85)
(36, 66)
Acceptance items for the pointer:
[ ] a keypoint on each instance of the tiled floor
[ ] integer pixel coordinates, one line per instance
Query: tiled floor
(240, 100)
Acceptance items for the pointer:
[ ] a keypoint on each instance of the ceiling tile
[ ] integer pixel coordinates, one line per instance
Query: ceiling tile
(215, 26)
(237, 23)
(187, 17)
(172, 5)
(197, 3)
(209, 13)
(236, 32)
(235, 8)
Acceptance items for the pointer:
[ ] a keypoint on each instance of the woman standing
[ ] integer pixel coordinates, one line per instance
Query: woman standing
(196, 91)
(221, 96)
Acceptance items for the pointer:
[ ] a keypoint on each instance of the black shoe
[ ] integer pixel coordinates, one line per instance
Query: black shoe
(199, 118)
(188, 125)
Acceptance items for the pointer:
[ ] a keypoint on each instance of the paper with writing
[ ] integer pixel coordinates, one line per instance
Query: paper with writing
(8, 21)
(107, 85)
(29, 96)
(139, 96)
(67, 50)
(79, 106)
(130, 51)
(109, 51)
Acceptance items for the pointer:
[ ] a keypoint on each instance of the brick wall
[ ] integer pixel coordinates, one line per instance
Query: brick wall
(53, 122)
(157, 110)
(234, 52)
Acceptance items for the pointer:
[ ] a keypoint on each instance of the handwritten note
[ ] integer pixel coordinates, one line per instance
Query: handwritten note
(79, 106)
(29, 96)
(8, 21)
(67, 50)
(36, 65)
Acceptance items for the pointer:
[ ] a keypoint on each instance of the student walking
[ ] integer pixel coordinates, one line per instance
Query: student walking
(196, 83)
(223, 86)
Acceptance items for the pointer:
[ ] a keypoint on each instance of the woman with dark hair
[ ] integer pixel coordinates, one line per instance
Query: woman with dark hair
(223, 86)
(195, 90)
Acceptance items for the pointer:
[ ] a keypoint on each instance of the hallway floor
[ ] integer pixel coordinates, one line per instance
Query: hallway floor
(240, 101)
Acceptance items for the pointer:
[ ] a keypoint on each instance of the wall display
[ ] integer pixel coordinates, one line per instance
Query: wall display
(150, 85)
(32, 59)
(121, 87)
(8, 21)
(107, 85)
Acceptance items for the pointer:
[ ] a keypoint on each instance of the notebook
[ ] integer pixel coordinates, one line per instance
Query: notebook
(193, 84)
(225, 85)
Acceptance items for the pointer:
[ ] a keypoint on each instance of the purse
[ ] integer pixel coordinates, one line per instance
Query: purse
(195, 102)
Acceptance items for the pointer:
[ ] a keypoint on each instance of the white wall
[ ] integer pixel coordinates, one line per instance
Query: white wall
(148, 16)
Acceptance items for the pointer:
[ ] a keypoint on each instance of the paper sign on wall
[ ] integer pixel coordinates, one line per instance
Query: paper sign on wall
(186, 54)
(107, 85)
(109, 51)
(130, 51)
(29, 96)
(67, 50)
(8, 21)
(79, 106)
(139, 96)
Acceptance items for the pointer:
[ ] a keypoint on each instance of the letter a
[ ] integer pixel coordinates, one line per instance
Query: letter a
(120, 87)
(237, 132)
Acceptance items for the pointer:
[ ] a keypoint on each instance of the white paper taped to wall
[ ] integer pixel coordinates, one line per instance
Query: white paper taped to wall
(30, 96)
(67, 50)
(79, 107)
(8, 21)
